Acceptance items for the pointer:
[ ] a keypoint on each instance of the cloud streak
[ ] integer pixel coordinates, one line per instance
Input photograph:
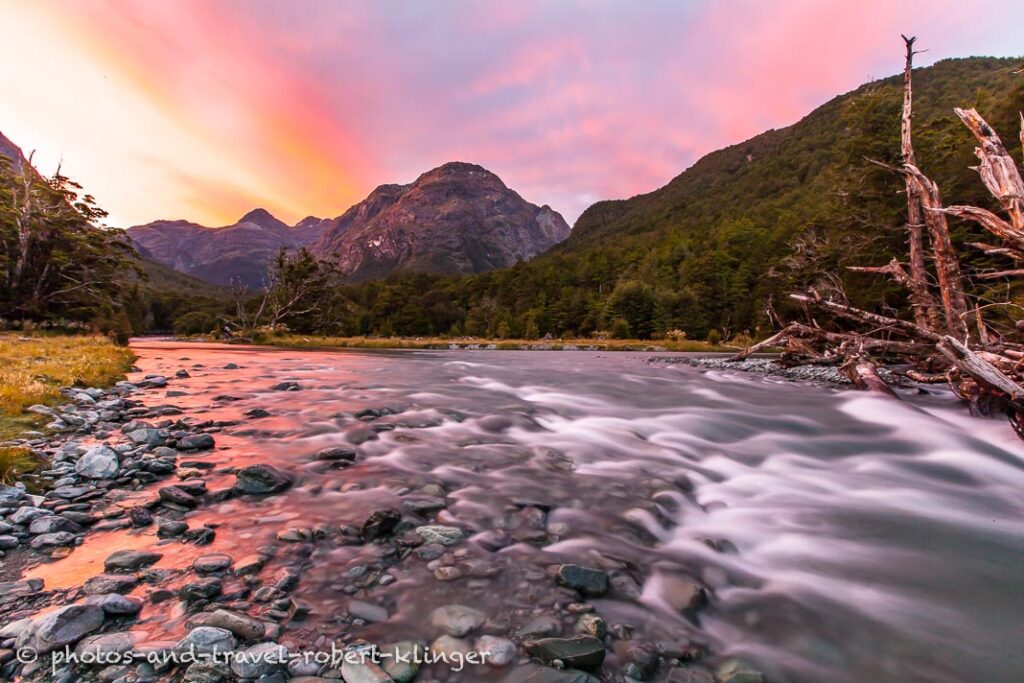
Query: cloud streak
(303, 108)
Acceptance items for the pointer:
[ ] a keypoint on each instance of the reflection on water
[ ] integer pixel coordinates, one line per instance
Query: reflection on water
(845, 537)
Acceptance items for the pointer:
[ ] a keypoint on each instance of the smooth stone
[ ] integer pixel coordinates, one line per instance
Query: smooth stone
(496, 651)
(207, 640)
(9, 542)
(404, 662)
(584, 579)
(457, 620)
(380, 523)
(580, 652)
(214, 562)
(147, 437)
(10, 495)
(51, 524)
(99, 462)
(540, 626)
(247, 628)
(108, 643)
(177, 495)
(113, 604)
(64, 626)
(336, 453)
(204, 589)
(259, 660)
(355, 671)
(367, 611)
(196, 442)
(447, 646)
(592, 625)
(25, 515)
(130, 560)
(170, 528)
(260, 479)
(59, 538)
(684, 595)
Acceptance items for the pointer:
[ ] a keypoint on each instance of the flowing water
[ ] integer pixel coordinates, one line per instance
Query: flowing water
(842, 536)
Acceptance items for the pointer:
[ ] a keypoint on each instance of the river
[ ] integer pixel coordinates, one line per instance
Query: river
(841, 536)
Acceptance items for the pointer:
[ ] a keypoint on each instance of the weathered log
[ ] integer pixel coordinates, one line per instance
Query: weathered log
(864, 375)
(775, 340)
(875, 319)
(926, 312)
(926, 377)
(947, 267)
(997, 169)
(981, 371)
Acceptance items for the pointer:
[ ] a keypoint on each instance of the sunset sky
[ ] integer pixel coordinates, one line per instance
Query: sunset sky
(206, 109)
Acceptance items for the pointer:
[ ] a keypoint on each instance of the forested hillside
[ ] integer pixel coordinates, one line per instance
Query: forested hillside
(741, 227)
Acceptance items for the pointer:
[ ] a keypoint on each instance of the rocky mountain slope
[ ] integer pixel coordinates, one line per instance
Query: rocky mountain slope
(458, 218)
(235, 253)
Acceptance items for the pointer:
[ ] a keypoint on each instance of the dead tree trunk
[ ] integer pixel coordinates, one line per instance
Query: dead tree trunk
(925, 312)
(864, 375)
(997, 169)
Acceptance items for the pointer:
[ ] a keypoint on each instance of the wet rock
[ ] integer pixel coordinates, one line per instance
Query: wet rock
(260, 479)
(63, 626)
(457, 620)
(286, 386)
(259, 660)
(641, 659)
(115, 605)
(177, 495)
(25, 515)
(690, 674)
(580, 652)
(532, 673)
(214, 562)
(54, 540)
(380, 523)
(738, 671)
(584, 579)
(140, 517)
(335, 454)
(195, 442)
(684, 595)
(241, 625)
(99, 462)
(170, 528)
(147, 437)
(367, 611)
(493, 540)
(250, 564)
(12, 589)
(449, 646)
(447, 573)
(423, 505)
(130, 560)
(201, 536)
(231, 366)
(107, 645)
(430, 551)
(436, 533)
(152, 382)
(10, 495)
(51, 524)
(362, 670)
(202, 590)
(403, 660)
(256, 413)
(110, 583)
(496, 651)
(207, 640)
(8, 542)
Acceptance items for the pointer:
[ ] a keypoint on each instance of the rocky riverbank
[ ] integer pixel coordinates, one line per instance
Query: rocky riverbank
(825, 374)
(120, 463)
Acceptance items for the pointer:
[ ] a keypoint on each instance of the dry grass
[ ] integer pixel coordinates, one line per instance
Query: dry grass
(501, 344)
(15, 462)
(34, 368)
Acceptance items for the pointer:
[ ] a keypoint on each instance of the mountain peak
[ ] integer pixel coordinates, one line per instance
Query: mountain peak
(257, 216)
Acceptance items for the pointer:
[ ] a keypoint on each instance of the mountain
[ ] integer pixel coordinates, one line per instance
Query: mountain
(240, 252)
(741, 228)
(12, 153)
(457, 218)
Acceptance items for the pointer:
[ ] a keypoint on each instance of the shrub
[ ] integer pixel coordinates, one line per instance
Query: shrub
(714, 337)
(195, 322)
(620, 328)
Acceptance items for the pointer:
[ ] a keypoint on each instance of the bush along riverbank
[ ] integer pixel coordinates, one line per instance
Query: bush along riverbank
(110, 457)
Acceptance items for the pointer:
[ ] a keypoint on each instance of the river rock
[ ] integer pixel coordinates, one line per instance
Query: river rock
(690, 674)
(380, 523)
(683, 594)
(247, 628)
(51, 524)
(261, 478)
(580, 652)
(99, 462)
(170, 528)
(10, 495)
(448, 646)
(204, 589)
(738, 671)
(436, 533)
(256, 413)
(592, 625)
(116, 605)
(353, 670)
(110, 583)
(423, 505)
(335, 454)
(152, 382)
(259, 660)
(108, 644)
(403, 660)
(214, 562)
(457, 620)
(286, 386)
(130, 560)
(57, 539)
(147, 437)
(177, 495)
(63, 626)
(27, 513)
(207, 640)
(584, 579)
(9, 542)
(195, 442)
(367, 611)
(496, 651)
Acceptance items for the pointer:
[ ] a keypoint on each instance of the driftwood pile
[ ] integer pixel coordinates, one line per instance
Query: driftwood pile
(948, 339)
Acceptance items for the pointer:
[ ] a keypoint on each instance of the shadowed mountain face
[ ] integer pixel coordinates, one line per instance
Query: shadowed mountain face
(235, 253)
(458, 218)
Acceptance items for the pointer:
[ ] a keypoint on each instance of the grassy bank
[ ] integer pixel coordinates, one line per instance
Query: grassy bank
(34, 368)
(307, 341)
